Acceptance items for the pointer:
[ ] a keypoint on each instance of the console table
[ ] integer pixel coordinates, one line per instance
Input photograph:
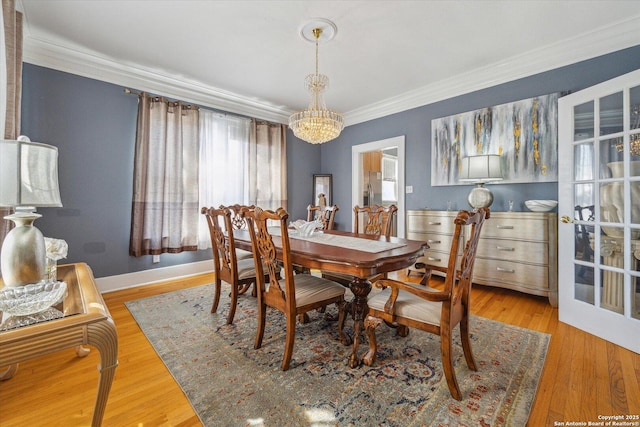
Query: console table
(86, 321)
(517, 250)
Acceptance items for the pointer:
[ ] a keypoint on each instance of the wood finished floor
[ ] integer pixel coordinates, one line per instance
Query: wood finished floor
(583, 377)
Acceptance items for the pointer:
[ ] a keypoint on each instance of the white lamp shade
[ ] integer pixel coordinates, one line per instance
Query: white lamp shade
(28, 174)
(482, 168)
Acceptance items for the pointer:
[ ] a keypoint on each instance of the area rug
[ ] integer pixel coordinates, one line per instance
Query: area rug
(229, 383)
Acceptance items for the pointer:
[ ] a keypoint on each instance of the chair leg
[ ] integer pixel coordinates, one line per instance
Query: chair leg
(370, 324)
(447, 365)
(234, 303)
(288, 347)
(466, 342)
(262, 317)
(342, 314)
(216, 296)
(303, 318)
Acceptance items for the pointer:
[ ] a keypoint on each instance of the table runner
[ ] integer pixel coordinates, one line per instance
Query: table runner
(349, 242)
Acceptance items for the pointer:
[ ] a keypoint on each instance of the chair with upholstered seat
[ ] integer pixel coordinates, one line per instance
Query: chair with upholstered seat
(324, 214)
(239, 273)
(410, 305)
(293, 295)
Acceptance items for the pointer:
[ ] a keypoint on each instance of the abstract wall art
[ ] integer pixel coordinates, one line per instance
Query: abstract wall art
(523, 133)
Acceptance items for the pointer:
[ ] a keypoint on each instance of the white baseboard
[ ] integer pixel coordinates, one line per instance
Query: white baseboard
(147, 277)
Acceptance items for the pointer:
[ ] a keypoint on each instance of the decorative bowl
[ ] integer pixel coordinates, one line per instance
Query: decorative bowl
(541, 205)
(30, 299)
(306, 229)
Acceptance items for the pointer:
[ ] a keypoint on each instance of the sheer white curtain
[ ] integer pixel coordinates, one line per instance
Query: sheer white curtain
(224, 170)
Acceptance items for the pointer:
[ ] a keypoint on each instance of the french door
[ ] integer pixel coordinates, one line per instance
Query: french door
(599, 209)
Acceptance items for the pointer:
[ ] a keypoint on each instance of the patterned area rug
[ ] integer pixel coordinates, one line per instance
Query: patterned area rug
(230, 384)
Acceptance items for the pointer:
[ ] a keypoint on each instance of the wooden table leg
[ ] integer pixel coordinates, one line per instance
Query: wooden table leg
(104, 337)
(8, 373)
(361, 289)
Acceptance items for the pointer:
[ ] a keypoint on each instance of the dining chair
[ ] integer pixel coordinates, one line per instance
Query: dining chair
(239, 273)
(293, 295)
(378, 220)
(239, 223)
(324, 214)
(409, 305)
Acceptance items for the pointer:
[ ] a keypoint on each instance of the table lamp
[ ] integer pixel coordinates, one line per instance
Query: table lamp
(481, 169)
(28, 179)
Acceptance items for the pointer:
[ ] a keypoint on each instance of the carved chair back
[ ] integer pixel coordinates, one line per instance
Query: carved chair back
(237, 220)
(325, 214)
(378, 220)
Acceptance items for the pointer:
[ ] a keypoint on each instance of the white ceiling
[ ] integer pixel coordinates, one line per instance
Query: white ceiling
(387, 56)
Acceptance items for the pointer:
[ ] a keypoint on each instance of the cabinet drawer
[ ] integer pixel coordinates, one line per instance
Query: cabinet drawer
(524, 275)
(514, 250)
(439, 242)
(431, 223)
(439, 259)
(514, 228)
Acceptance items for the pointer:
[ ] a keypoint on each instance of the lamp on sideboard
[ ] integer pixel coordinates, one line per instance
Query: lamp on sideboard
(28, 179)
(480, 170)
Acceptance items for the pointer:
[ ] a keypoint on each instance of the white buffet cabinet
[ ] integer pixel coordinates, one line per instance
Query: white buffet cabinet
(517, 250)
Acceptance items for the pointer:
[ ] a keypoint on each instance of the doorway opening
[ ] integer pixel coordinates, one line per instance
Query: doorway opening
(378, 176)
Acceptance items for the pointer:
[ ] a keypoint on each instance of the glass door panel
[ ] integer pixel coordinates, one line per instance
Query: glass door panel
(583, 161)
(611, 157)
(611, 114)
(583, 121)
(611, 293)
(584, 289)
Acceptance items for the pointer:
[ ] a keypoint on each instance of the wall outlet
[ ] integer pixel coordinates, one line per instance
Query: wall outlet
(155, 259)
(409, 189)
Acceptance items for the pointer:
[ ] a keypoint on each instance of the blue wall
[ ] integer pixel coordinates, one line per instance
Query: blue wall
(415, 125)
(93, 125)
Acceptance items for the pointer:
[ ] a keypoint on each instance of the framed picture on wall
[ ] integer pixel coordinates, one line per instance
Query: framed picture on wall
(524, 133)
(322, 190)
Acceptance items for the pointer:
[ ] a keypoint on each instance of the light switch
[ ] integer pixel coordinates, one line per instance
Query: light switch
(409, 189)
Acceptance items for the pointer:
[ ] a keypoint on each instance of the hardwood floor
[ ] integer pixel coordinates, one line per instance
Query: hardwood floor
(583, 377)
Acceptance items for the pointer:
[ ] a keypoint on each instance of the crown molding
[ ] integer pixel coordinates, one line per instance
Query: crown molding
(589, 45)
(46, 54)
(604, 40)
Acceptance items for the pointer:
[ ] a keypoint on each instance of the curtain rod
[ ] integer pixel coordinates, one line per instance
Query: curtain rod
(223, 114)
(157, 98)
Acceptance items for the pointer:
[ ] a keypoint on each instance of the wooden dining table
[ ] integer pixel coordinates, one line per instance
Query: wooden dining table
(364, 257)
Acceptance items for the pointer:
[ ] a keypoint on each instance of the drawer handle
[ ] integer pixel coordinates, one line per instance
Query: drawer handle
(505, 270)
(505, 248)
(505, 227)
(434, 241)
(430, 258)
(435, 223)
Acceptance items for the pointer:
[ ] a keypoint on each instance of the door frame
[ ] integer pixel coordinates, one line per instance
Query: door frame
(357, 182)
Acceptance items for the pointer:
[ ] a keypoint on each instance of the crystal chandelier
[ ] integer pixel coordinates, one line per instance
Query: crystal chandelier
(316, 124)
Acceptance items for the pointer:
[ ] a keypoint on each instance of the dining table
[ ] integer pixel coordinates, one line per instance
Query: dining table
(360, 256)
